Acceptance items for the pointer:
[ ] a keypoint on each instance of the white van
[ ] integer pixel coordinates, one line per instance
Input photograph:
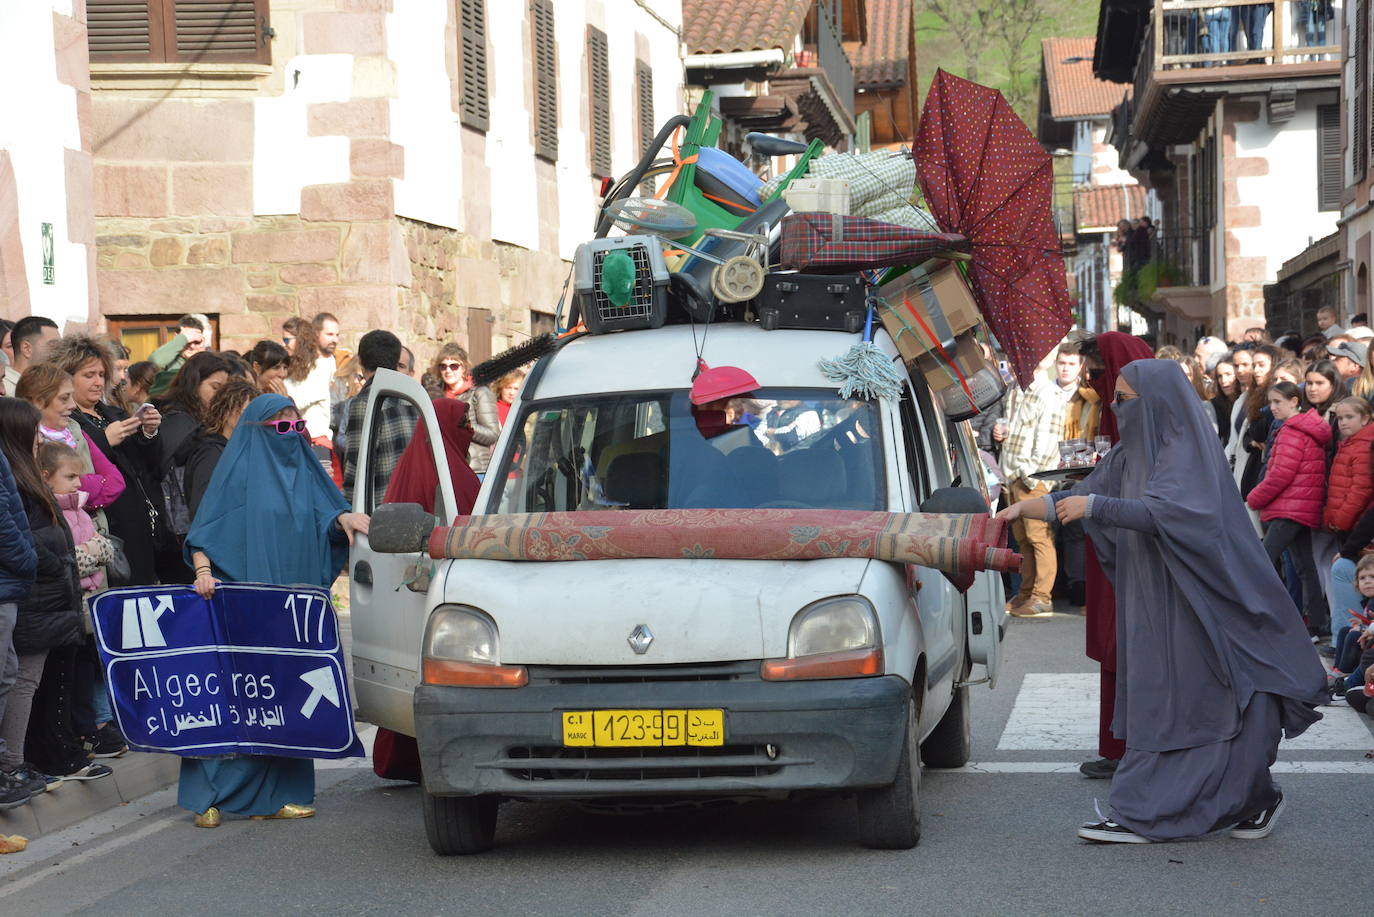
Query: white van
(644, 681)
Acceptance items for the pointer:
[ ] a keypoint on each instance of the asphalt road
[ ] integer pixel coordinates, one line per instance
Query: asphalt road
(998, 839)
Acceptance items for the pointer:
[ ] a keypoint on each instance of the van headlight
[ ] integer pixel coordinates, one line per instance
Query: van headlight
(461, 634)
(833, 626)
(832, 638)
(462, 648)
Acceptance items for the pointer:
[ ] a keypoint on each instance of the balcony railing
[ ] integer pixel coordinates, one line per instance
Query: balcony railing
(1213, 33)
(1183, 258)
(826, 51)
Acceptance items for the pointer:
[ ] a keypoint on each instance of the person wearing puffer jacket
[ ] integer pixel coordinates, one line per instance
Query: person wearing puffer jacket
(1350, 487)
(1291, 496)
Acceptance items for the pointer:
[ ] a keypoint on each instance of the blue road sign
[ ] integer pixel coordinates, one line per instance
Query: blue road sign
(255, 670)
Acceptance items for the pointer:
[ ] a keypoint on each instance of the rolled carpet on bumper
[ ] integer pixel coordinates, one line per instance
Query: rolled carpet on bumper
(959, 545)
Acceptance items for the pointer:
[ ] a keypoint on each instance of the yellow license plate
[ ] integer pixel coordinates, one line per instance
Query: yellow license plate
(643, 728)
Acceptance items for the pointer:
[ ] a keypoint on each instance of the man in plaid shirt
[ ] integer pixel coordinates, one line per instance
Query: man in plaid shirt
(395, 426)
(1032, 445)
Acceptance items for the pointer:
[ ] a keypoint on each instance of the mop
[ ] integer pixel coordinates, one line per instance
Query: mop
(864, 370)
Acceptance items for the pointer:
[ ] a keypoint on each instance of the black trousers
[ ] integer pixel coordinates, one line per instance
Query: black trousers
(52, 744)
(1286, 535)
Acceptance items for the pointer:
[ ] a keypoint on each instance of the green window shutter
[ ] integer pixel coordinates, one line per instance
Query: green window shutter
(475, 104)
(599, 85)
(1330, 162)
(545, 81)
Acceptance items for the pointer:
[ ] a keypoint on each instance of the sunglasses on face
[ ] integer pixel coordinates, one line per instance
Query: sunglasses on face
(286, 426)
(1095, 373)
(452, 367)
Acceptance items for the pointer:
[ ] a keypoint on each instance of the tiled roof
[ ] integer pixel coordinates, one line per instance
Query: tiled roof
(1103, 206)
(719, 26)
(1074, 91)
(882, 59)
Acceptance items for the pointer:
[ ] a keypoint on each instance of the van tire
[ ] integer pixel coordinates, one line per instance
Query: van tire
(950, 743)
(460, 824)
(890, 816)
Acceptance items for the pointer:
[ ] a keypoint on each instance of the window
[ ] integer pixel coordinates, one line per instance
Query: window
(479, 335)
(545, 80)
(179, 31)
(142, 334)
(472, 47)
(599, 94)
(394, 419)
(1330, 163)
(781, 448)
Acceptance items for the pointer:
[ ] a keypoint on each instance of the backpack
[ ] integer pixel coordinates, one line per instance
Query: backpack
(178, 517)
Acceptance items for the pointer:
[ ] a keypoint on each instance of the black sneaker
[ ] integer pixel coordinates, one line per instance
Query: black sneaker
(1101, 769)
(28, 781)
(35, 775)
(1109, 832)
(108, 742)
(89, 772)
(1260, 825)
(12, 792)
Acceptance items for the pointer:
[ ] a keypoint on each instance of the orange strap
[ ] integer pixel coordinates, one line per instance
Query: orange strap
(963, 383)
(678, 163)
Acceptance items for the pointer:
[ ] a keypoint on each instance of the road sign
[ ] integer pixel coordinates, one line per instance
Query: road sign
(255, 670)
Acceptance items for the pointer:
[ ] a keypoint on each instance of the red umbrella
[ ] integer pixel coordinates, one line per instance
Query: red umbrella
(986, 177)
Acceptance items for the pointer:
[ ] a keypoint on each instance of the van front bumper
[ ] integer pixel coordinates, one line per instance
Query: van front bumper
(780, 737)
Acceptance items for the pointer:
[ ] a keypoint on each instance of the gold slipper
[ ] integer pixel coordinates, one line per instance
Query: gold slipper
(290, 810)
(208, 819)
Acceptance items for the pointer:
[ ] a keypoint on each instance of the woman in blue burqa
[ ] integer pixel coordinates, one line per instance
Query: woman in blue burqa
(271, 515)
(1214, 663)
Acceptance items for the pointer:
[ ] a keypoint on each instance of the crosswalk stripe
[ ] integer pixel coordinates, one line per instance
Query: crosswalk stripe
(1364, 767)
(1057, 711)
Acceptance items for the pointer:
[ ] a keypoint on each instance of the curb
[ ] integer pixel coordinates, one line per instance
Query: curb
(136, 774)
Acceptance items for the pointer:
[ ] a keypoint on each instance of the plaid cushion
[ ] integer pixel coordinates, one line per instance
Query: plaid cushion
(827, 243)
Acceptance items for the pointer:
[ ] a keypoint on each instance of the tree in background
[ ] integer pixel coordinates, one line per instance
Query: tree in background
(996, 42)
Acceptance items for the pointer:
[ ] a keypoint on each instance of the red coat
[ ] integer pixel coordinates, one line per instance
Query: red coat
(1294, 485)
(1351, 486)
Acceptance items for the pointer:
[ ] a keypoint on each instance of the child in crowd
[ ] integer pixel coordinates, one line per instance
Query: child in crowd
(1350, 488)
(61, 467)
(1355, 638)
(1291, 496)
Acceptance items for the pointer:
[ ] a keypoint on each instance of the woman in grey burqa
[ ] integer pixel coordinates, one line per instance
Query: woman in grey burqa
(1214, 663)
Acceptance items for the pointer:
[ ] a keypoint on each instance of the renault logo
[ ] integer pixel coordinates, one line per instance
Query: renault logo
(640, 638)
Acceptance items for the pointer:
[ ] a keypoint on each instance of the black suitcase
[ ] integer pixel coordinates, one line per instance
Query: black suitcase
(813, 302)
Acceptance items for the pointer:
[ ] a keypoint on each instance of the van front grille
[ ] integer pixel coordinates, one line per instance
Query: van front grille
(553, 762)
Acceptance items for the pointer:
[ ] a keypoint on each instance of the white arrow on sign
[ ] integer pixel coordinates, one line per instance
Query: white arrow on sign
(321, 682)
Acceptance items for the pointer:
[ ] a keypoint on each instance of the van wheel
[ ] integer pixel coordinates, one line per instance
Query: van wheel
(950, 744)
(460, 824)
(890, 816)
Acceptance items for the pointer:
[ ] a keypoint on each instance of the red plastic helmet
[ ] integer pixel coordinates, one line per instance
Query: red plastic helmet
(714, 383)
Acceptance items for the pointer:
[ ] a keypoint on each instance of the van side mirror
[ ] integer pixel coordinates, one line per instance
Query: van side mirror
(400, 528)
(951, 500)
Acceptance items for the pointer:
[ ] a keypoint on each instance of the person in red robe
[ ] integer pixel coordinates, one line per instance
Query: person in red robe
(416, 480)
(1108, 353)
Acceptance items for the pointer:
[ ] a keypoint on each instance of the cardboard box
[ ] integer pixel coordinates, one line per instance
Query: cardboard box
(966, 356)
(925, 305)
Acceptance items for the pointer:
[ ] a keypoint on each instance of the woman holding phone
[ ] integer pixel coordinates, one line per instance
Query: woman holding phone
(130, 442)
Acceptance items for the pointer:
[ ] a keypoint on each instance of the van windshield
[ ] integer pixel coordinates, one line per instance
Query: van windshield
(777, 448)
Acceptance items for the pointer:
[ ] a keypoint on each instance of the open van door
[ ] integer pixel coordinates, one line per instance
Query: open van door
(389, 593)
(986, 598)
